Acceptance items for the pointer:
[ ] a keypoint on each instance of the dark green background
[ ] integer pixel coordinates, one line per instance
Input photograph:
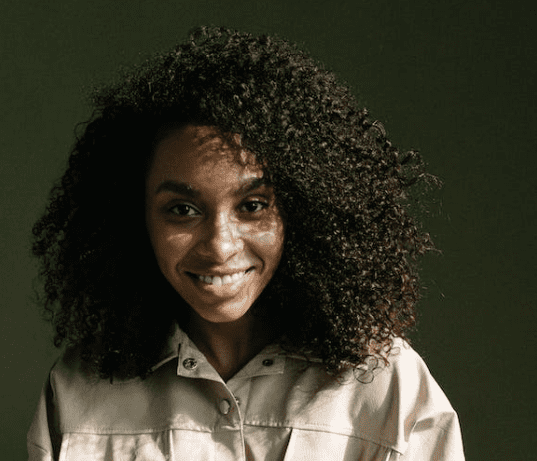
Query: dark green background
(455, 80)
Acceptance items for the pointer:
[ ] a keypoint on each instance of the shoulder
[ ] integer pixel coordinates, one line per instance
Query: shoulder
(383, 404)
(422, 416)
(408, 377)
(71, 369)
(409, 388)
(406, 366)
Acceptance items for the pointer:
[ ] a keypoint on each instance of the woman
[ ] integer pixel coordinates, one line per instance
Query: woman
(230, 263)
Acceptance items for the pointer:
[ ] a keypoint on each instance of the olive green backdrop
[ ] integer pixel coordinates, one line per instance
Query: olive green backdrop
(454, 79)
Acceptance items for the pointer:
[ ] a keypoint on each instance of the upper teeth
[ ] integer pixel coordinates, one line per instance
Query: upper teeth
(219, 281)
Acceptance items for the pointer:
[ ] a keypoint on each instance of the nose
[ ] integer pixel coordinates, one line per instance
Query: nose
(221, 239)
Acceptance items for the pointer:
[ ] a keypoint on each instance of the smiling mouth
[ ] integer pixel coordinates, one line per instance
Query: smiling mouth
(220, 280)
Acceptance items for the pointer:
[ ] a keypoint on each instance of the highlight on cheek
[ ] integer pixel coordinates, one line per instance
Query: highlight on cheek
(179, 239)
(269, 237)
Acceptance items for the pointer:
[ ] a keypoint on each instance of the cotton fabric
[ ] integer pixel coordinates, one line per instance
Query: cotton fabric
(278, 407)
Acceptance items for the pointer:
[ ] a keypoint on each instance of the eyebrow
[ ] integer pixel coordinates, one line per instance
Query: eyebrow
(189, 191)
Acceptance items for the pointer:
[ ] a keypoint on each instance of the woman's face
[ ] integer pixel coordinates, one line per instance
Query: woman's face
(213, 223)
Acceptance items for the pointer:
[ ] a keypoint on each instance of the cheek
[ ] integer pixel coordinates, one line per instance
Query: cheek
(269, 238)
(170, 247)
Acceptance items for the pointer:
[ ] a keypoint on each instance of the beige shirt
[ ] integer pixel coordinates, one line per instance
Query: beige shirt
(278, 407)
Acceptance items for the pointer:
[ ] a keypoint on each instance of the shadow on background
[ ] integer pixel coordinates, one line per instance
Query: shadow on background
(455, 80)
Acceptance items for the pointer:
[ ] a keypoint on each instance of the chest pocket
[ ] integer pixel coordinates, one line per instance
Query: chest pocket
(311, 445)
(158, 446)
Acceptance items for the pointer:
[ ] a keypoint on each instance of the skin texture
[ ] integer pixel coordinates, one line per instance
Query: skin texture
(207, 215)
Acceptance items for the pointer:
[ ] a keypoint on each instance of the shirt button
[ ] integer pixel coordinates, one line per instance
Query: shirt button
(268, 362)
(190, 364)
(224, 406)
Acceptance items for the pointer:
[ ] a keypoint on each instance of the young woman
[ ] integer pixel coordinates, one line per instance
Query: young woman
(230, 264)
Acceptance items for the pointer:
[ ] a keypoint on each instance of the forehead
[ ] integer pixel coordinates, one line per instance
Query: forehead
(195, 152)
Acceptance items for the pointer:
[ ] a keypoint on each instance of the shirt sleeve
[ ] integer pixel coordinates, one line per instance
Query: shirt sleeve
(419, 418)
(432, 429)
(43, 437)
(435, 440)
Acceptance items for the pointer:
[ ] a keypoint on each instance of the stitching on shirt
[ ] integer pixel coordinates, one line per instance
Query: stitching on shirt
(107, 432)
(323, 428)
(319, 428)
(123, 431)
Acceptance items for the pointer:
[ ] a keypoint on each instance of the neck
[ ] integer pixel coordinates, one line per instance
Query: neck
(229, 346)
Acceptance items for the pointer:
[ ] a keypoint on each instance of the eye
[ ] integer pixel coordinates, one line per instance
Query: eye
(183, 209)
(254, 206)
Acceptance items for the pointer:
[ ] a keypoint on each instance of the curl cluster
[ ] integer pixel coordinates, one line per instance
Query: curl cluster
(347, 283)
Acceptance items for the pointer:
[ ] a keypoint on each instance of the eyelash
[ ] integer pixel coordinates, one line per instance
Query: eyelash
(181, 205)
(263, 206)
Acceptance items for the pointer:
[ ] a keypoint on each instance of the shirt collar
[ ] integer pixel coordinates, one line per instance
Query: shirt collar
(192, 363)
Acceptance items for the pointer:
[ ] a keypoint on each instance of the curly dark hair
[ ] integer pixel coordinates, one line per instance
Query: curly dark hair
(348, 280)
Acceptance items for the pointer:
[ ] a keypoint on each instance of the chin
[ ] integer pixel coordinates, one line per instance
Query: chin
(225, 313)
